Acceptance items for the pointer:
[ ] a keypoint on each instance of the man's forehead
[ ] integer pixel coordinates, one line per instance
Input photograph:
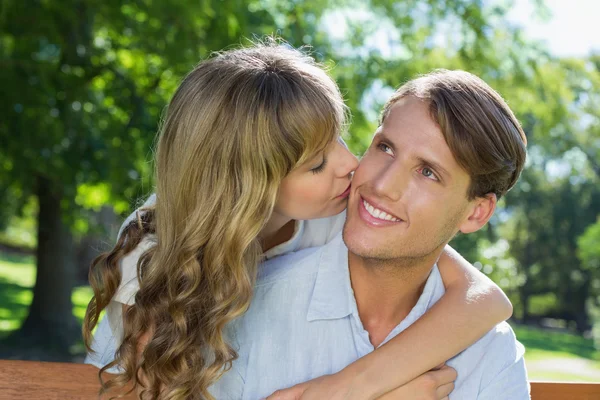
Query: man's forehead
(412, 113)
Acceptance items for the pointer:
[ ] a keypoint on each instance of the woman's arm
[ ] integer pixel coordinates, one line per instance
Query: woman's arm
(471, 306)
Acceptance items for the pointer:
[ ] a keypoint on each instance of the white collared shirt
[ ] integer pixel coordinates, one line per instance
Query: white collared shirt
(303, 323)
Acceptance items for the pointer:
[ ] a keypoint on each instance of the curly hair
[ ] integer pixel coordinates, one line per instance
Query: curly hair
(236, 126)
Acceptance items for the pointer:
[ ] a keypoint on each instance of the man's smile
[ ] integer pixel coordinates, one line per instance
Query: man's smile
(375, 215)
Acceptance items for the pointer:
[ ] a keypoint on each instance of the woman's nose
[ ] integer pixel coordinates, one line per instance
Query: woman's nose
(350, 162)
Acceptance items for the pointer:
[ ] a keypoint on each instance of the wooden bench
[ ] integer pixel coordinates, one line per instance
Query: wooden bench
(60, 381)
(565, 391)
(33, 380)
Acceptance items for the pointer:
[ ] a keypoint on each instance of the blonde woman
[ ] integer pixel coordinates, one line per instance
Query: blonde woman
(250, 165)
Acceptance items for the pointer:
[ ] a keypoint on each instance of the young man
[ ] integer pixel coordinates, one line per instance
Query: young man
(448, 147)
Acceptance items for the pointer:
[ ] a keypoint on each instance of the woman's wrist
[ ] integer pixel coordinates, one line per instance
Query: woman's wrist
(360, 387)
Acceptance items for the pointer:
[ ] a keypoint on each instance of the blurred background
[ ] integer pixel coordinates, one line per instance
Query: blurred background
(83, 85)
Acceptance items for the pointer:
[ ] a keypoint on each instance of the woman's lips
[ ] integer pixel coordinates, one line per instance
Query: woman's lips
(346, 193)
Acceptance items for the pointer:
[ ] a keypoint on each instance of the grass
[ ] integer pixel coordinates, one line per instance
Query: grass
(549, 355)
(17, 277)
(559, 356)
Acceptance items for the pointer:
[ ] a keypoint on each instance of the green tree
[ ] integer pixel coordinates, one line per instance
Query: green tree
(85, 82)
(588, 245)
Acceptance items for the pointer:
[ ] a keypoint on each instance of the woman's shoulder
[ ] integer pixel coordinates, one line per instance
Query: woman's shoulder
(150, 201)
(128, 264)
(129, 285)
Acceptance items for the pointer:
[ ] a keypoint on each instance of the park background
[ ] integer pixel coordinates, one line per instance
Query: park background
(84, 84)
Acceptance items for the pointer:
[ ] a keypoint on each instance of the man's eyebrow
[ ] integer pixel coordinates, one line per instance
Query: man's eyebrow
(383, 138)
(437, 166)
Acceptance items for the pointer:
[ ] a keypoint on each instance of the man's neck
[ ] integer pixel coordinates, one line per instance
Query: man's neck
(386, 291)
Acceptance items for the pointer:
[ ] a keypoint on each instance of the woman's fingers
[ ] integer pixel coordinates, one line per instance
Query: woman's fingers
(442, 365)
(444, 375)
(432, 385)
(444, 391)
(293, 393)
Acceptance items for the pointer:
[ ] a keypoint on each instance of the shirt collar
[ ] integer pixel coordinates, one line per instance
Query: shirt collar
(288, 246)
(332, 296)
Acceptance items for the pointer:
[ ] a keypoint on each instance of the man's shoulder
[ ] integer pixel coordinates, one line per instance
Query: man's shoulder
(496, 357)
(499, 346)
(502, 338)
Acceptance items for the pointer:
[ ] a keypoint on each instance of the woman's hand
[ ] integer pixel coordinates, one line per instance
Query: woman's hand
(436, 384)
(333, 387)
(432, 385)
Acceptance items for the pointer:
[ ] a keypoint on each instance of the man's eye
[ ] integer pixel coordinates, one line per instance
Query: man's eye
(385, 148)
(428, 173)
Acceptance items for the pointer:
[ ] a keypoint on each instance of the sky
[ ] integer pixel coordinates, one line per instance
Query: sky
(572, 29)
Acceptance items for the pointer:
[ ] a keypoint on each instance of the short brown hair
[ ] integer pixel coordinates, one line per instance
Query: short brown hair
(482, 132)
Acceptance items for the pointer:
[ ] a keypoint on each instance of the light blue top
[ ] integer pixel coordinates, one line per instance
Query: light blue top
(108, 335)
(303, 323)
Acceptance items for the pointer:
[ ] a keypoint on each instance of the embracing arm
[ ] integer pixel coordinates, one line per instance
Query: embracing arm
(471, 306)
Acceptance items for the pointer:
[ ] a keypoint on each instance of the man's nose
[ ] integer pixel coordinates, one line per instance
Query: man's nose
(391, 181)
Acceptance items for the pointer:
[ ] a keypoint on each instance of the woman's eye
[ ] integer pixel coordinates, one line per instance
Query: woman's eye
(385, 148)
(320, 168)
(428, 173)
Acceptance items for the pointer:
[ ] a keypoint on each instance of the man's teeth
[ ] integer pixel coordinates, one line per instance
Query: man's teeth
(377, 213)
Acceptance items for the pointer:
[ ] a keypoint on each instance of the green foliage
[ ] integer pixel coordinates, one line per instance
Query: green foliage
(560, 342)
(589, 249)
(85, 83)
(558, 356)
(17, 277)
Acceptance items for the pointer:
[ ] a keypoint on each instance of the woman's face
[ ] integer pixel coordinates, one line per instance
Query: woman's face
(318, 188)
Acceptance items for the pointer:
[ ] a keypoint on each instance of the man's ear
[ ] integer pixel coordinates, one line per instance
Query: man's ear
(482, 209)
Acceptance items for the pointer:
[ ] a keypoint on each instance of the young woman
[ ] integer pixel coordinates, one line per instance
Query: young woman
(250, 165)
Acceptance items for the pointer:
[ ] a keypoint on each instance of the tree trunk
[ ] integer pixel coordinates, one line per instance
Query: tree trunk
(582, 319)
(95, 242)
(524, 298)
(50, 328)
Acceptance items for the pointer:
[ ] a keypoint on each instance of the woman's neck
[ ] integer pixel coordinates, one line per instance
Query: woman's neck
(278, 230)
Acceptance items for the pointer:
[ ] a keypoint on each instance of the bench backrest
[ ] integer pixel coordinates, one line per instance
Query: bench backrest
(33, 380)
(565, 391)
(43, 380)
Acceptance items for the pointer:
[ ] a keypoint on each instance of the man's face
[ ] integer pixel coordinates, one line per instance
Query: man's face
(410, 174)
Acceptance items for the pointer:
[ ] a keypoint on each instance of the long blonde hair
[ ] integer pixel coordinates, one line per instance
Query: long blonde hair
(237, 125)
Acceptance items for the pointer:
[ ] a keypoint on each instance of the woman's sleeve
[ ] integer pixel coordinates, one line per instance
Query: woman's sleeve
(109, 334)
(150, 201)
(128, 265)
(104, 347)
(129, 285)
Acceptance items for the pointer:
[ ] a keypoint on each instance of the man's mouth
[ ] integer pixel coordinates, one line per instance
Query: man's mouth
(377, 213)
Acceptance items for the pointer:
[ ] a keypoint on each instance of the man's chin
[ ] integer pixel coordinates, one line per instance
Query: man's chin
(362, 246)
